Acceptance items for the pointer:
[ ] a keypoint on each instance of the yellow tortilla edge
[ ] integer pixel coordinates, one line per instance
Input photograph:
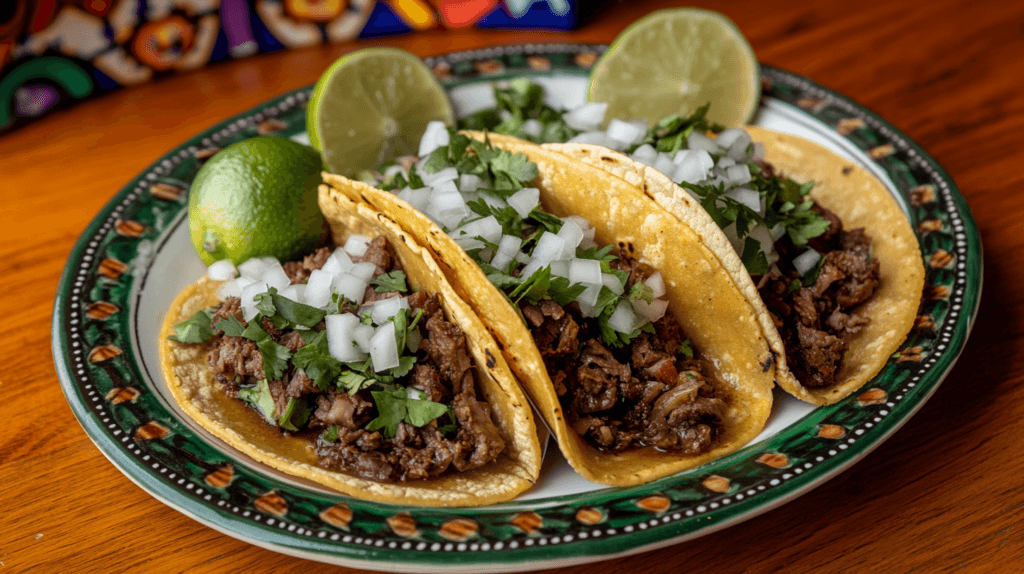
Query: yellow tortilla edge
(193, 387)
(748, 363)
(842, 186)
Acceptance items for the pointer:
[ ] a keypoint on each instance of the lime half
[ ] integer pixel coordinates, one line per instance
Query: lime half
(372, 106)
(674, 61)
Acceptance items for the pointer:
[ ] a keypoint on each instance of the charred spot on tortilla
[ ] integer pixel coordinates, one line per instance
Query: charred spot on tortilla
(847, 169)
(491, 361)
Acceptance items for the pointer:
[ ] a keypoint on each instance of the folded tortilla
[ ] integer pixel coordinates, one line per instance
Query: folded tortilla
(194, 388)
(713, 313)
(849, 191)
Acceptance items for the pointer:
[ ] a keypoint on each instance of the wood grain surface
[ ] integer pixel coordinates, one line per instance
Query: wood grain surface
(944, 494)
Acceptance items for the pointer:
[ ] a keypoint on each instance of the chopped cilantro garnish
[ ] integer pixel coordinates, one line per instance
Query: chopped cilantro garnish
(330, 434)
(195, 329)
(317, 362)
(394, 407)
(260, 398)
(393, 281)
(686, 349)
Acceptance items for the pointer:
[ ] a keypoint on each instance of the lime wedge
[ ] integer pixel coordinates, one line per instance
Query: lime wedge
(372, 106)
(674, 61)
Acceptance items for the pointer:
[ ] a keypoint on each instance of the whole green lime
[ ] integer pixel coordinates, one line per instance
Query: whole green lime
(256, 198)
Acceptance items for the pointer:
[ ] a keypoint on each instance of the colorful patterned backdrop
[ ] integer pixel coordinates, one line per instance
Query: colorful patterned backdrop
(56, 52)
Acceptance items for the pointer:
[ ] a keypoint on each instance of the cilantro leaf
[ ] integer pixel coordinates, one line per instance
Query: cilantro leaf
(260, 398)
(316, 361)
(393, 281)
(195, 329)
(275, 356)
(394, 407)
(686, 349)
(295, 415)
(753, 258)
(330, 434)
(230, 326)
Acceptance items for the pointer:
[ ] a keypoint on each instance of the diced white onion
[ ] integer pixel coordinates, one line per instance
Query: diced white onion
(726, 138)
(493, 201)
(248, 298)
(806, 261)
(586, 117)
(276, 277)
(356, 244)
(435, 136)
(612, 282)
(362, 333)
(417, 198)
(468, 182)
(318, 288)
(746, 196)
(524, 200)
(222, 270)
(572, 234)
(628, 132)
(589, 296)
(532, 128)
(341, 342)
(740, 149)
(778, 231)
(444, 187)
(724, 162)
(763, 236)
(623, 319)
(663, 163)
(738, 174)
(348, 286)
(384, 309)
(448, 208)
(560, 269)
(233, 288)
(508, 248)
(431, 179)
(698, 140)
(522, 257)
(652, 311)
(549, 247)
(294, 292)
(645, 154)
(657, 284)
(364, 270)
(252, 268)
(693, 167)
(384, 348)
(585, 271)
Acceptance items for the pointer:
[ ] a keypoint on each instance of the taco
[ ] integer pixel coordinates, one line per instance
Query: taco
(834, 270)
(383, 385)
(632, 341)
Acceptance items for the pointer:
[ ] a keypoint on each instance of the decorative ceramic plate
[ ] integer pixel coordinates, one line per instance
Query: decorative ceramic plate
(136, 255)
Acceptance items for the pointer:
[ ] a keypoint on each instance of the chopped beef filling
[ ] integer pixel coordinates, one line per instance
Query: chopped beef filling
(443, 371)
(645, 394)
(817, 321)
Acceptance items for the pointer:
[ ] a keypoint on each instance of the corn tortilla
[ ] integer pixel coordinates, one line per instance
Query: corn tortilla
(192, 384)
(712, 312)
(847, 189)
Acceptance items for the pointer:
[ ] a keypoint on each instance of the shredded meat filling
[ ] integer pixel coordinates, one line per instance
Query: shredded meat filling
(443, 371)
(646, 394)
(817, 321)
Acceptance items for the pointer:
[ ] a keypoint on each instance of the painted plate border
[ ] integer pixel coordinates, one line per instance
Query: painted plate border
(116, 404)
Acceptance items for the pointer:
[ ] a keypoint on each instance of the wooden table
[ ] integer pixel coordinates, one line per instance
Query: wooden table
(944, 494)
